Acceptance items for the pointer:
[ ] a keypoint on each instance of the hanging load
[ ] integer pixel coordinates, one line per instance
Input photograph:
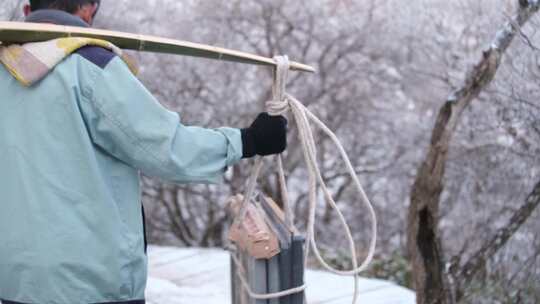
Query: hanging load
(279, 105)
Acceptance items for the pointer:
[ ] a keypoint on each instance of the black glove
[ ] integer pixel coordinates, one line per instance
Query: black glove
(267, 135)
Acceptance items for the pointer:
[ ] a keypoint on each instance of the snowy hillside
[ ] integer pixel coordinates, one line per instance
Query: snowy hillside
(201, 276)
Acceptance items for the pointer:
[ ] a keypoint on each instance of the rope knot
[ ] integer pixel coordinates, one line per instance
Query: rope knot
(279, 104)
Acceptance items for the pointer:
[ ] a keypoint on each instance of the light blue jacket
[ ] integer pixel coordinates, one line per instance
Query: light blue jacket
(71, 148)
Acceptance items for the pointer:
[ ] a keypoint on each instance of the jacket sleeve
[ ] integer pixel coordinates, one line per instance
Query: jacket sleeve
(124, 119)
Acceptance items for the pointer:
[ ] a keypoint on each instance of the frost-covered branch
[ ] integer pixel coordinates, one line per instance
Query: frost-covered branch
(504, 37)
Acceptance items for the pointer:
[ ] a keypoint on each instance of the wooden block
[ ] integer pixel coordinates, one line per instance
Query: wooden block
(297, 278)
(285, 273)
(275, 208)
(276, 225)
(272, 272)
(257, 278)
(235, 288)
(245, 264)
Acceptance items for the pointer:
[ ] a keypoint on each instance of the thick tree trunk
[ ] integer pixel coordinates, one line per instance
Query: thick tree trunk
(423, 241)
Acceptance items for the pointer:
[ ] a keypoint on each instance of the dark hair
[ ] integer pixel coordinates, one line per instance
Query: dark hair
(70, 6)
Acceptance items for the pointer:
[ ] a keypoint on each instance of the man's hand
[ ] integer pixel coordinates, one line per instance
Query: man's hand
(267, 135)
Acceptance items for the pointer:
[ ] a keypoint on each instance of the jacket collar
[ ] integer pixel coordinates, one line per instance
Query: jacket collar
(55, 17)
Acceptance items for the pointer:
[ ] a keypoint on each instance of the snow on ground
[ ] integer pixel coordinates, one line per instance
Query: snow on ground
(201, 276)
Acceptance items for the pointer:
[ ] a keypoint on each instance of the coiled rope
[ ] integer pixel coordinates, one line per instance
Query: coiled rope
(281, 104)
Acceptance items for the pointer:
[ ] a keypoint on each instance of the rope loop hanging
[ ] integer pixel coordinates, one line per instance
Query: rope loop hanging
(280, 104)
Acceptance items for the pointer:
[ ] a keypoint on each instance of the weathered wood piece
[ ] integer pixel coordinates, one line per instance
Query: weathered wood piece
(253, 234)
(23, 32)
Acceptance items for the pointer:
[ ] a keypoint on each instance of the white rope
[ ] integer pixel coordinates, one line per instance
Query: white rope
(282, 103)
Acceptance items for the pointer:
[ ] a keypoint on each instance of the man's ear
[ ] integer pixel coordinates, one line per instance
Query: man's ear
(27, 10)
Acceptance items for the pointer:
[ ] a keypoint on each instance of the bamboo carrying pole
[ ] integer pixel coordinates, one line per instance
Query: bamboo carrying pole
(24, 32)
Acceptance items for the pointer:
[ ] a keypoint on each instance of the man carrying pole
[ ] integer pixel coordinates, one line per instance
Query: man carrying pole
(74, 134)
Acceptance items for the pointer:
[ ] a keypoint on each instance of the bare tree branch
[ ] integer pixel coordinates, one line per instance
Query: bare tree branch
(424, 244)
(478, 260)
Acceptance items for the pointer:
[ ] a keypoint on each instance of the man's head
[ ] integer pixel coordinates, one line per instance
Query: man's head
(85, 9)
